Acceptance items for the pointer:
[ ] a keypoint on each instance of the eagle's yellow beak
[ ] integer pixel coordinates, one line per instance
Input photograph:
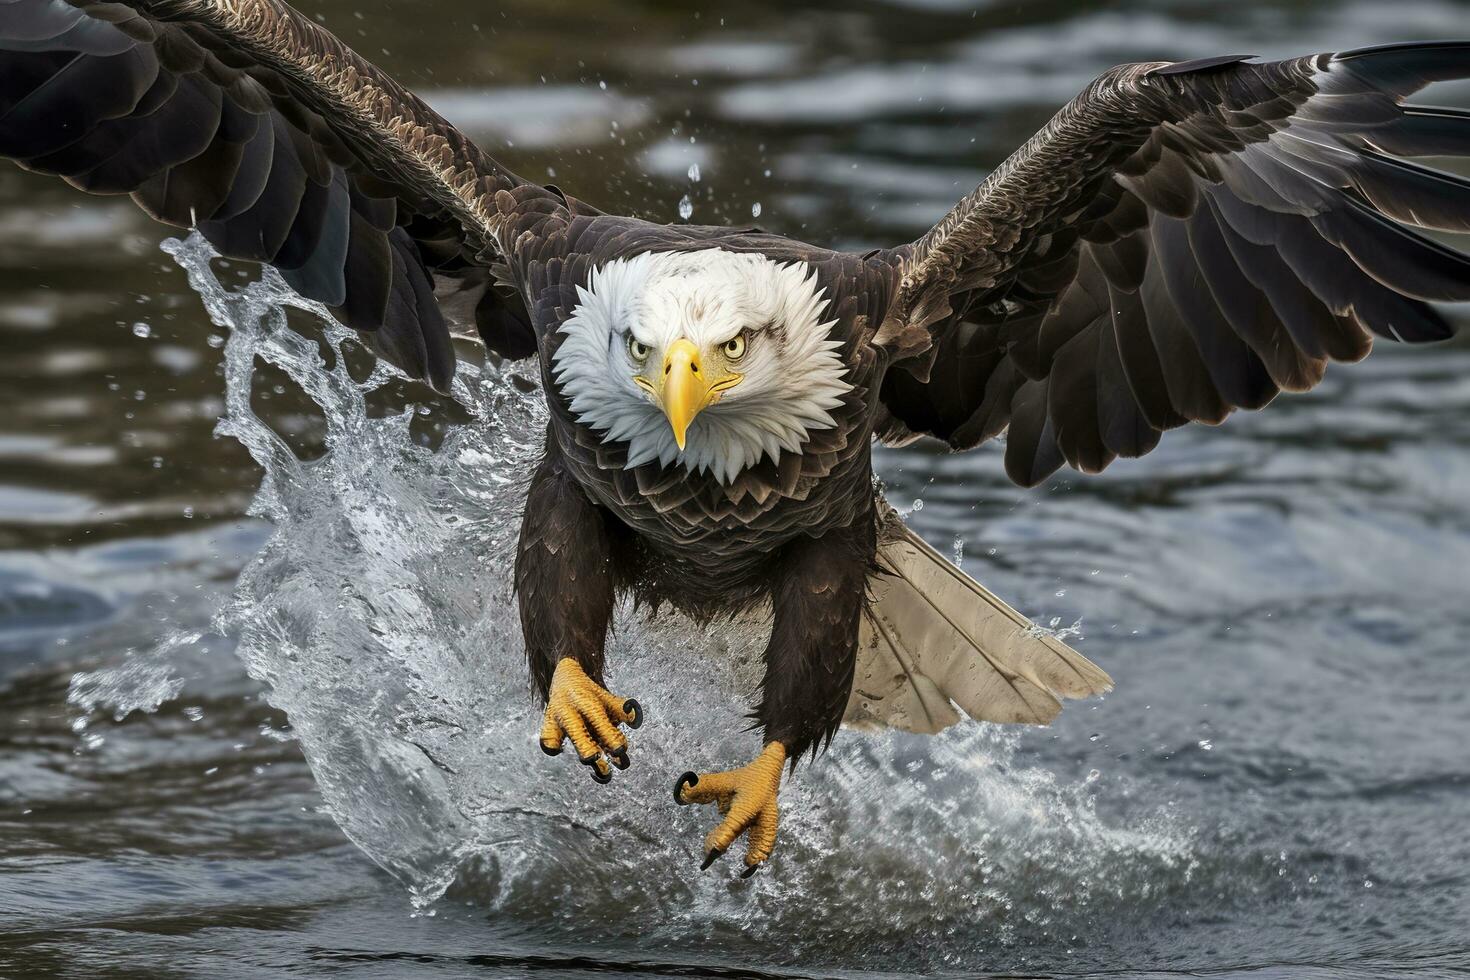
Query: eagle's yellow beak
(688, 388)
(685, 389)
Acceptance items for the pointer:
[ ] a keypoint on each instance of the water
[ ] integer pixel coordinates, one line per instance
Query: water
(263, 708)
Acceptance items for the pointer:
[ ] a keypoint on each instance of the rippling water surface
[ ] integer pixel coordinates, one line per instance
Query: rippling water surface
(263, 709)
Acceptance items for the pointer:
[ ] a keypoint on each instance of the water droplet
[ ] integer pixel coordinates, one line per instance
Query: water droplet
(1367, 883)
(694, 172)
(216, 340)
(755, 210)
(1093, 776)
(686, 207)
(194, 713)
(918, 504)
(142, 330)
(1205, 744)
(602, 85)
(1094, 736)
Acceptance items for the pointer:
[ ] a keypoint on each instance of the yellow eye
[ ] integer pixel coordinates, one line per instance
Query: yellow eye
(735, 346)
(637, 350)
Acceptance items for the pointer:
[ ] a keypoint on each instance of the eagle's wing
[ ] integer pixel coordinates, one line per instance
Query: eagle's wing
(1180, 241)
(250, 122)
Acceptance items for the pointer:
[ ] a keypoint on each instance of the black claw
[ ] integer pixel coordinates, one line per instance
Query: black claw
(598, 776)
(620, 758)
(750, 869)
(632, 707)
(688, 779)
(711, 858)
(550, 750)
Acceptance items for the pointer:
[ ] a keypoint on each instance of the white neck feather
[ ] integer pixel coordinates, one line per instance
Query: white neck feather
(793, 373)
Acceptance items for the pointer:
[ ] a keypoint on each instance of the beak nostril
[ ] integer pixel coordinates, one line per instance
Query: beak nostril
(695, 368)
(668, 368)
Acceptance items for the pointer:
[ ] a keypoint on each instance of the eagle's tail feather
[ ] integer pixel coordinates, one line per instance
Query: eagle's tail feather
(933, 638)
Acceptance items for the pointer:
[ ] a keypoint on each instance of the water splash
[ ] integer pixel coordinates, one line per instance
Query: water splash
(139, 683)
(1055, 629)
(379, 615)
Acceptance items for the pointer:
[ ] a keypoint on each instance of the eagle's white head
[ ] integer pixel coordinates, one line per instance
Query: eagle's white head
(710, 358)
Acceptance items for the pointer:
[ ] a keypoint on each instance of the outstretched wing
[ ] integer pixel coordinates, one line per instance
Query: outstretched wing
(1181, 241)
(246, 120)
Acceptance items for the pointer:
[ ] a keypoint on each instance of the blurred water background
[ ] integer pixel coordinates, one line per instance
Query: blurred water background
(262, 717)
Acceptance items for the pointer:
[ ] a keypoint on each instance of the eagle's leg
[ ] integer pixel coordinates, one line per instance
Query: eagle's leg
(746, 798)
(564, 584)
(580, 709)
(817, 602)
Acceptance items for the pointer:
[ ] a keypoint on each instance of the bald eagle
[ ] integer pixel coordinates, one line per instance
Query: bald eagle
(1181, 240)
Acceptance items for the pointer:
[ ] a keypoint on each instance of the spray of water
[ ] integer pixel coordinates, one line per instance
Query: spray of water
(379, 616)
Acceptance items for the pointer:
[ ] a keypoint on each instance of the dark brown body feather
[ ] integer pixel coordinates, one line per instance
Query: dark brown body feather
(1180, 241)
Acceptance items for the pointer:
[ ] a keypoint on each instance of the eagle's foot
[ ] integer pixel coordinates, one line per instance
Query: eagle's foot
(580, 709)
(747, 800)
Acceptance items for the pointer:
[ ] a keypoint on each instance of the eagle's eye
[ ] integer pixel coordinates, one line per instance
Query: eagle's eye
(638, 350)
(735, 346)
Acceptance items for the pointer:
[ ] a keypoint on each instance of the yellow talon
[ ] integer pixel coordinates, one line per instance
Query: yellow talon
(746, 798)
(580, 709)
